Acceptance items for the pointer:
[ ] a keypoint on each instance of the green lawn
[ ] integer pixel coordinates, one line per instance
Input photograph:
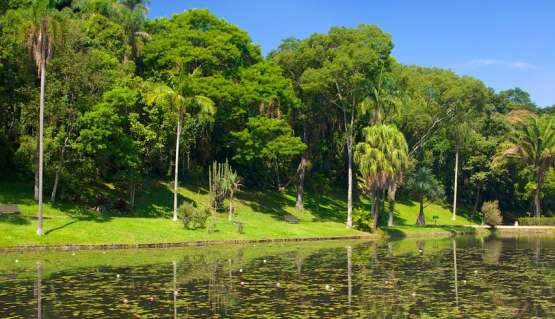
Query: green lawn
(261, 212)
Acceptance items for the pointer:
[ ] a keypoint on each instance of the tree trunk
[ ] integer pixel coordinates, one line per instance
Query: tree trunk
(421, 220)
(176, 167)
(132, 188)
(476, 203)
(391, 192)
(538, 193)
(455, 185)
(230, 215)
(277, 176)
(55, 187)
(376, 210)
(36, 188)
(350, 182)
(299, 205)
(41, 145)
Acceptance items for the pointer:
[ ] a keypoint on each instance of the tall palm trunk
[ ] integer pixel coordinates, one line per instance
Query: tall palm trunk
(538, 192)
(176, 167)
(350, 182)
(455, 186)
(41, 145)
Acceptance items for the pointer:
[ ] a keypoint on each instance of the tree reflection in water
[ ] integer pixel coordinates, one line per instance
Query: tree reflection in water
(503, 278)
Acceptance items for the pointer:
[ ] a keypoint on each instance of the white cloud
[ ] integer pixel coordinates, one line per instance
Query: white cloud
(489, 62)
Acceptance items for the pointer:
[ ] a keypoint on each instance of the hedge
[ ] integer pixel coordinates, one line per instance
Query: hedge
(535, 221)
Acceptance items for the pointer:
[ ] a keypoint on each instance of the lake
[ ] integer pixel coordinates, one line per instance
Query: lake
(436, 278)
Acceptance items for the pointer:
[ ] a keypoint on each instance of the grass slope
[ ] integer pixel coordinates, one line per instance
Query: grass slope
(261, 212)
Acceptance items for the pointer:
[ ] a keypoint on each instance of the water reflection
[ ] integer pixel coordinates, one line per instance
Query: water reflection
(443, 278)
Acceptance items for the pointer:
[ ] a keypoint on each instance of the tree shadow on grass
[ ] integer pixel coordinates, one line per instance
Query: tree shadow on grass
(13, 218)
(326, 207)
(157, 200)
(269, 202)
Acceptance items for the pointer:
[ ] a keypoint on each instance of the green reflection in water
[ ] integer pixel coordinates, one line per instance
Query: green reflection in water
(439, 278)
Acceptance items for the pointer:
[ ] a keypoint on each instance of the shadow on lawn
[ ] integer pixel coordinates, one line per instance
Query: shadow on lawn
(16, 219)
(271, 202)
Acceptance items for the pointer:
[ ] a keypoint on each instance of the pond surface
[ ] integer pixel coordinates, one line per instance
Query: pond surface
(440, 278)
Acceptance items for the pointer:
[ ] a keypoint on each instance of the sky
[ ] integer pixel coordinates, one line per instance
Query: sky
(506, 43)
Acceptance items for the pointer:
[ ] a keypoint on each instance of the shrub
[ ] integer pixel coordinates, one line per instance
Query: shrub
(192, 216)
(535, 221)
(362, 219)
(492, 213)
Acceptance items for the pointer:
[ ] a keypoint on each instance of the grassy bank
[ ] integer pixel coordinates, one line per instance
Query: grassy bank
(260, 212)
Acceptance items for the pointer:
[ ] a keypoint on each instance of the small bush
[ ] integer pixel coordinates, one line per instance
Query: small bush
(492, 213)
(535, 221)
(362, 219)
(192, 216)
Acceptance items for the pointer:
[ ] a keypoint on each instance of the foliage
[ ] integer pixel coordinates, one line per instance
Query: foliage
(194, 217)
(492, 213)
(268, 144)
(120, 83)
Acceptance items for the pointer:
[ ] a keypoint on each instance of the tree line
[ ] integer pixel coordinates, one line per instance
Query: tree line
(93, 93)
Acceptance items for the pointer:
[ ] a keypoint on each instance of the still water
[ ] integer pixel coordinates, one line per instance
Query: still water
(439, 278)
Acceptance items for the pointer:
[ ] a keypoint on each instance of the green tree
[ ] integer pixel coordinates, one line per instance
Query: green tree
(267, 142)
(381, 158)
(425, 187)
(42, 32)
(532, 143)
(350, 62)
(180, 98)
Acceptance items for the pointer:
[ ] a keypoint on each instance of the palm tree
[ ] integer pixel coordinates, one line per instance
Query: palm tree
(133, 19)
(41, 33)
(424, 186)
(532, 143)
(233, 181)
(381, 158)
(180, 98)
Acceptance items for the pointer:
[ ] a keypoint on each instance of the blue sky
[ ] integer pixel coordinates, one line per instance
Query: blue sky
(504, 43)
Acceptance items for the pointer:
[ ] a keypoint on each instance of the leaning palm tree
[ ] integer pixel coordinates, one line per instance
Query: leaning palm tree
(180, 98)
(532, 143)
(41, 33)
(381, 158)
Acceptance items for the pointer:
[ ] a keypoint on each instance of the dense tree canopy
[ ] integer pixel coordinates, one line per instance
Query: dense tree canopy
(280, 121)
